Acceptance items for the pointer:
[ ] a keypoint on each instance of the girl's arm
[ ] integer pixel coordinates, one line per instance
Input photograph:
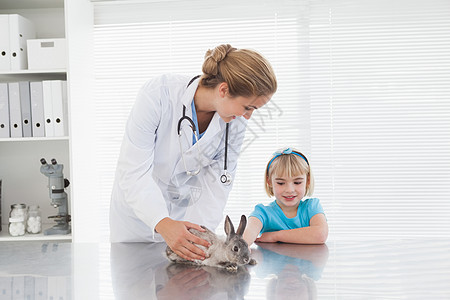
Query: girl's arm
(252, 230)
(316, 233)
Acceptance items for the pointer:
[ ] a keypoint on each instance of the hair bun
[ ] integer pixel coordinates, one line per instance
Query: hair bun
(214, 57)
(246, 72)
(220, 52)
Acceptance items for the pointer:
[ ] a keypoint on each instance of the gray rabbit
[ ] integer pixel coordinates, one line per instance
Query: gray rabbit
(229, 253)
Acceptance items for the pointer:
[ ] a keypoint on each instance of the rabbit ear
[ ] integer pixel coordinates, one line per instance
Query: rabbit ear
(229, 228)
(242, 225)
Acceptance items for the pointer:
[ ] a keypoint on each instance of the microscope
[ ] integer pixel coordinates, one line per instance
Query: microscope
(56, 184)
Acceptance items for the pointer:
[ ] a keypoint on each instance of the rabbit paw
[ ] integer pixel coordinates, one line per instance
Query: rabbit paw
(230, 267)
(252, 262)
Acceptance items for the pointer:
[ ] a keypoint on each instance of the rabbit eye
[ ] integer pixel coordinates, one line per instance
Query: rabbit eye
(235, 248)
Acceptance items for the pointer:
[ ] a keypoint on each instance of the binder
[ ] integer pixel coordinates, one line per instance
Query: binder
(6, 284)
(48, 108)
(59, 102)
(18, 287)
(37, 109)
(20, 30)
(40, 288)
(25, 107)
(15, 114)
(4, 111)
(5, 56)
(29, 287)
(53, 288)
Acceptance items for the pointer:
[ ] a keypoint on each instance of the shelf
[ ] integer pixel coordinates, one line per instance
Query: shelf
(27, 4)
(4, 235)
(26, 72)
(33, 75)
(20, 156)
(35, 139)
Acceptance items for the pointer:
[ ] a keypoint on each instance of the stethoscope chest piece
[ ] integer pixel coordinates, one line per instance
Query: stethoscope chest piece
(225, 178)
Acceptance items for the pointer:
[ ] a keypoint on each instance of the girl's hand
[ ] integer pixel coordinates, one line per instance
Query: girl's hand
(268, 237)
(180, 240)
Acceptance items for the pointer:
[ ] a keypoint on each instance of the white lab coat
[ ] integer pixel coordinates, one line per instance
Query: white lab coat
(151, 181)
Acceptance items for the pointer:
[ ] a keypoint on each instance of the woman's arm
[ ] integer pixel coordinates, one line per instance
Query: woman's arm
(316, 233)
(252, 230)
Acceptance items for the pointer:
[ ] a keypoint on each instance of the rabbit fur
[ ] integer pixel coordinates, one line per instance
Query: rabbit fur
(229, 252)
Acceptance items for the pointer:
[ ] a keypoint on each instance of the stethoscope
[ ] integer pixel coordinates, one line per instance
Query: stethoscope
(225, 177)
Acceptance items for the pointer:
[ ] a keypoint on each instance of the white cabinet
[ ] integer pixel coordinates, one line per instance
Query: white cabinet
(20, 164)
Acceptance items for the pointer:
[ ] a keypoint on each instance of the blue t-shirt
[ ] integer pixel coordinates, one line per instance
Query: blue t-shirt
(274, 219)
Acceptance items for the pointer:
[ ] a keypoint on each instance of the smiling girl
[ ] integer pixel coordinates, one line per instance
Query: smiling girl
(293, 217)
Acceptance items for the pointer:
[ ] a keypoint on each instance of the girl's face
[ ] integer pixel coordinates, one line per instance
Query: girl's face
(289, 191)
(229, 108)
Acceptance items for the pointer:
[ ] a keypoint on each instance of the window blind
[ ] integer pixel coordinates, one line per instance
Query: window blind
(380, 116)
(363, 92)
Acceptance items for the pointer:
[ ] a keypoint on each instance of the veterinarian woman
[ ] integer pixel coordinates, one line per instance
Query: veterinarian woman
(170, 177)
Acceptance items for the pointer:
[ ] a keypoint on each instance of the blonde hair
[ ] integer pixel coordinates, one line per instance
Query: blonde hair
(246, 72)
(289, 165)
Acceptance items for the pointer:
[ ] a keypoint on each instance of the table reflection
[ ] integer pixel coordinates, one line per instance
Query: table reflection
(35, 270)
(141, 271)
(292, 269)
(193, 282)
(133, 269)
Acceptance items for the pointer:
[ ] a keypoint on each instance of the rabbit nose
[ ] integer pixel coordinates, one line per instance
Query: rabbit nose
(246, 260)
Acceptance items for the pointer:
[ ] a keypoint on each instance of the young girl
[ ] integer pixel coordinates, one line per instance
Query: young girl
(290, 218)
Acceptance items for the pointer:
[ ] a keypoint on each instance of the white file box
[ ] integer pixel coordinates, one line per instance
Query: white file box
(15, 30)
(47, 54)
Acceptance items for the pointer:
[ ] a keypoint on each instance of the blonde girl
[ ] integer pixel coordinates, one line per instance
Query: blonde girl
(294, 216)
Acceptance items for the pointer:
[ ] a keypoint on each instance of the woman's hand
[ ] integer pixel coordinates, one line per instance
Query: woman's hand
(180, 240)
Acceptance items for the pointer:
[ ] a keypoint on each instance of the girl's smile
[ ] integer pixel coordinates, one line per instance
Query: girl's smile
(289, 191)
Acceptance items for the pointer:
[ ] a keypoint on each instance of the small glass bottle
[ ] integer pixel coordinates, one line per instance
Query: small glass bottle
(34, 224)
(17, 219)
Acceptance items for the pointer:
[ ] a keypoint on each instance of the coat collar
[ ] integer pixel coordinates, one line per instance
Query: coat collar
(207, 147)
(215, 126)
